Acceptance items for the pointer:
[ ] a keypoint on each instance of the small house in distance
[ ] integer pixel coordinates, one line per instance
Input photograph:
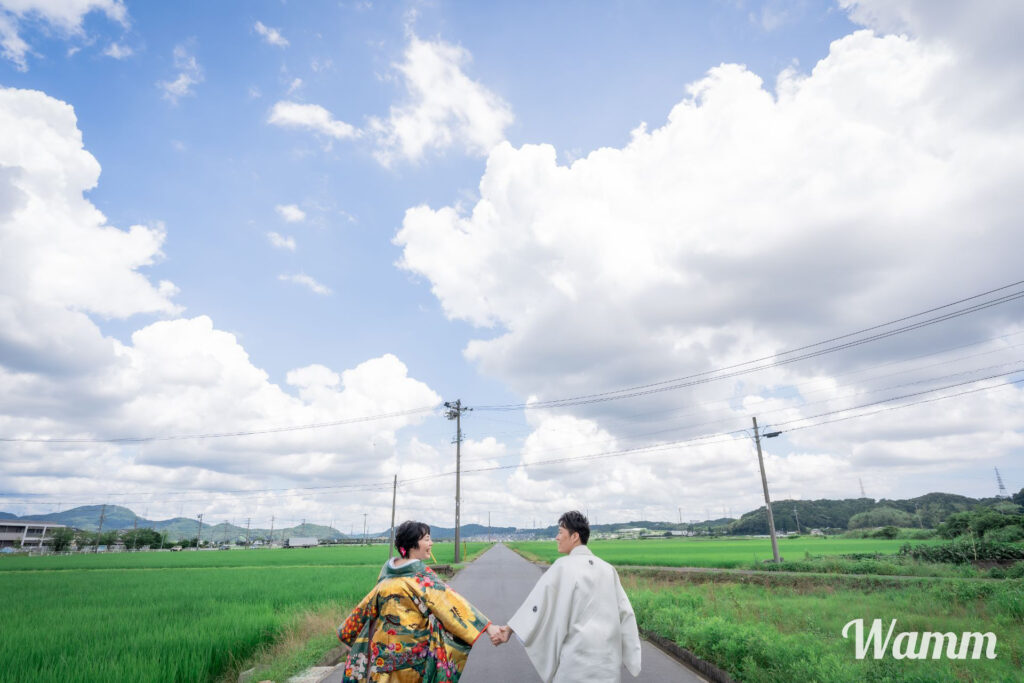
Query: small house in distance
(301, 542)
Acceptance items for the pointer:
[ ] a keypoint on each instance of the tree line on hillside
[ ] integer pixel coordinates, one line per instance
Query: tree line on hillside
(927, 512)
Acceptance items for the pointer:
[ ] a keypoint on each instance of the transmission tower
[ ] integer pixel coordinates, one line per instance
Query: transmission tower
(1002, 488)
(861, 482)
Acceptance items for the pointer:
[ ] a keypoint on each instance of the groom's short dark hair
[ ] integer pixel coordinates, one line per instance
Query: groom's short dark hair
(574, 521)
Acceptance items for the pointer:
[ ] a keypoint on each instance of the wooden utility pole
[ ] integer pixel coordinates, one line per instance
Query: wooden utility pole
(199, 534)
(455, 411)
(767, 499)
(394, 496)
(99, 532)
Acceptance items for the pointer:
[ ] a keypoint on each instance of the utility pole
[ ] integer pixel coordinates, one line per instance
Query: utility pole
(99, 532)
(248, 523)
(797, 515)
(455, 411)
(394, 496)
(488, 526)
(135, 533)
(271, 531)
(767, 499)
(365, 541)
(199, 534)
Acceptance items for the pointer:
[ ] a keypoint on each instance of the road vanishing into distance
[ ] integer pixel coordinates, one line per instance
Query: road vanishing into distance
(497, 583)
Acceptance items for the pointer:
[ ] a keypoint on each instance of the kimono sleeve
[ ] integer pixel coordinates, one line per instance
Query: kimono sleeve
(629, 633)
(542, 622)
(363, 612)
(456, 614)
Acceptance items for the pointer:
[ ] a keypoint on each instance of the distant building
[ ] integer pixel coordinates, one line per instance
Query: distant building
(301, 542)
(27, 533)
(634, 532)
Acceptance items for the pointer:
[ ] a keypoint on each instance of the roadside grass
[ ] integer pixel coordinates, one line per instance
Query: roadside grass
(75, 619)
(302, 643)
(765, 630)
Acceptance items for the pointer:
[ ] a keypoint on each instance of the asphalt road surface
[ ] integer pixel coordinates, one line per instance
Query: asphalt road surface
(497, 582)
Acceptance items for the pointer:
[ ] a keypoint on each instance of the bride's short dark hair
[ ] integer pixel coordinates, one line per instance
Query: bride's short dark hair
(408, 536)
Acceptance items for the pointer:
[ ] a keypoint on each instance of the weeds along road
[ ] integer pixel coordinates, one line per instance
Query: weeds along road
(498, 582)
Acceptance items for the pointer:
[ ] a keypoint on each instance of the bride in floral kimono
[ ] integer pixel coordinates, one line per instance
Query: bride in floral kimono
(411, 627)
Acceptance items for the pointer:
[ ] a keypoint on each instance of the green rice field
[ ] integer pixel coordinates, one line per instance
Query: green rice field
(768, 626)
(715, 552)
(161, 616)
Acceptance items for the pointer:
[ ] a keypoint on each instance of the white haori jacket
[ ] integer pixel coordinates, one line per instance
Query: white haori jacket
(577, 623)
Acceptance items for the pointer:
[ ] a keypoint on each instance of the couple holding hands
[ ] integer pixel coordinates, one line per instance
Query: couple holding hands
(576, 624)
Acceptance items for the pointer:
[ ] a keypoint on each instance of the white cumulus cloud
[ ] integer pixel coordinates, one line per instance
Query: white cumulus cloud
(190, 74)
(310, 117)
(281, 241)
(62, 265)
(65, 16)
(118, 51)
(444, 106)
(271, 35)
(306, 281)
(291, 213)
(754, 220)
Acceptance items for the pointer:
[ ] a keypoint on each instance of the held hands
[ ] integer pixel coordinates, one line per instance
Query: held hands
(498, 634)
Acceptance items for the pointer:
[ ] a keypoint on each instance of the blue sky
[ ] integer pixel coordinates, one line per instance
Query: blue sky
(390, 205)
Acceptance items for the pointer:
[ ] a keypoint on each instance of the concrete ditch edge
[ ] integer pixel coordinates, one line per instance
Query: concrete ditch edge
(684, 656)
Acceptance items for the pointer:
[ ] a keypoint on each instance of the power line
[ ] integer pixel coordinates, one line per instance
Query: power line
(710, 439)
(732, 418)
(220, 435)
(777, 360)
(686, 443)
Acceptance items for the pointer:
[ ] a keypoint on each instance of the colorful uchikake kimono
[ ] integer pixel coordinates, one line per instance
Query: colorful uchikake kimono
(411, 628)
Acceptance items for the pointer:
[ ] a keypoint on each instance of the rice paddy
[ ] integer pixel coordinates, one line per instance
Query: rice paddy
(715, 552)
(188, 616)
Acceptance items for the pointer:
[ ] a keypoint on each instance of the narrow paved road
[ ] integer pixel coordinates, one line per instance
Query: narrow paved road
(497, 583)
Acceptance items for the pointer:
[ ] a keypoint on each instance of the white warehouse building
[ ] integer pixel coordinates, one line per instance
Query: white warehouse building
(26, 532)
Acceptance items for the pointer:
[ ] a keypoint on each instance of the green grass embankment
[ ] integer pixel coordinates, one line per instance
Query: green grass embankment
(770, 632)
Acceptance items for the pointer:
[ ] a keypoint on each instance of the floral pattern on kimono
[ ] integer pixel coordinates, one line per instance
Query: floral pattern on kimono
(411, 628)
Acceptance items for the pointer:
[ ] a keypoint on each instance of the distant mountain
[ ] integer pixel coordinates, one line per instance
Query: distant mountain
(117, 518)
(445, 533)
(930, 510)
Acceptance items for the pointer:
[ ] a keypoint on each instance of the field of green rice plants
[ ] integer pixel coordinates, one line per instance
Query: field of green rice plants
(792, 631)
(188, 616)
(714, 552)
(296, 557)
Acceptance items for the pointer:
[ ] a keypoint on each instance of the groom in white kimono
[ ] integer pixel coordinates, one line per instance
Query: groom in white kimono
(577, 623)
